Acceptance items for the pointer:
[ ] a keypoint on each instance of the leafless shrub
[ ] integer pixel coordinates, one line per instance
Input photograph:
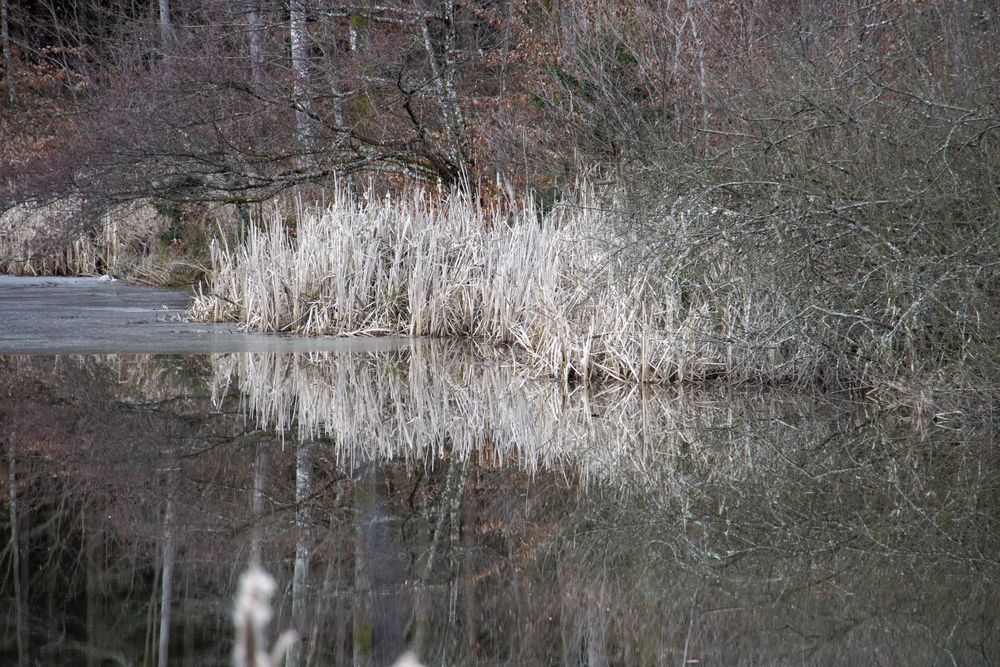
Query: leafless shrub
(844, 158)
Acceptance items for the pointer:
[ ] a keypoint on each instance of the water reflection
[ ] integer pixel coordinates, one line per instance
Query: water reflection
(420, 499)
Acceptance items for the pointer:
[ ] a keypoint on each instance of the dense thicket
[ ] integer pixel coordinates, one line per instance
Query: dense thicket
(841, 155)
(843, 103)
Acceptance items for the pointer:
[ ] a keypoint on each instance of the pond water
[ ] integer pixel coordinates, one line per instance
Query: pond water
(416, 496)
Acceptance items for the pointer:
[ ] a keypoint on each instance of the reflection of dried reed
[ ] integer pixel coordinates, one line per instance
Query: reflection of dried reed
(547, 285)
(433, 400)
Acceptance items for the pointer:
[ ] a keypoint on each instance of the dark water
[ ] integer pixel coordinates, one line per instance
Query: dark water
(414, 498)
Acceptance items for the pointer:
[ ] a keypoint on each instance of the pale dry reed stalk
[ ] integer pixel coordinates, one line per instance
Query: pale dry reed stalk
(551, 285)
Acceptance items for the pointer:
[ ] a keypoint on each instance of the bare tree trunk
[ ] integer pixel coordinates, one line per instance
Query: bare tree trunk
(8, 60)
(449, 71)
(20, 588)
(300, 85)
(702, 83)
(343, 132)
(444, 85)
(166, 29)
(256, 44)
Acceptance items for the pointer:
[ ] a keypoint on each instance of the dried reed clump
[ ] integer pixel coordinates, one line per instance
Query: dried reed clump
(49, 240)
(550, 285)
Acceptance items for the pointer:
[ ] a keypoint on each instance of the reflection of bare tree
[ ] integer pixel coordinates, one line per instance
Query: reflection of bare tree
(17, 566)
(168, 560)
(451, 491)
(384, 608)
(303, 546)
(329, 598)
(257, 502)
(361, 639)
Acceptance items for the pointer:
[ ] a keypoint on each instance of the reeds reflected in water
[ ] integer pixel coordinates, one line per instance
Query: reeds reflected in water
(437, 399)
(428, 499)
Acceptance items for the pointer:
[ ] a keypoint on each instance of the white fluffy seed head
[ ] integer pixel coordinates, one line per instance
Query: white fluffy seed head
(408, 659)
(253, 602)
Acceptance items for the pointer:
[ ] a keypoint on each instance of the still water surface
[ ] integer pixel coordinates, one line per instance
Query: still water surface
(411, 495)
(421, 498)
